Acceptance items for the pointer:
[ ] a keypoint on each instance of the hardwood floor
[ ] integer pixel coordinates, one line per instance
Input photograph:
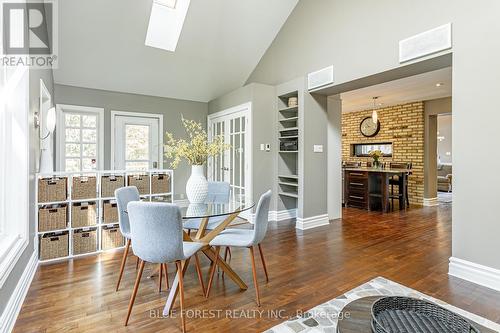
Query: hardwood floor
(305, 268)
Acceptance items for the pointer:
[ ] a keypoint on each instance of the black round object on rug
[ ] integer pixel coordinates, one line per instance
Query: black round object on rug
(410, 315)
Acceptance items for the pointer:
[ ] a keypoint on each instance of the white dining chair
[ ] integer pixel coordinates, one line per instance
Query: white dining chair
(248, 238)
(157, 237)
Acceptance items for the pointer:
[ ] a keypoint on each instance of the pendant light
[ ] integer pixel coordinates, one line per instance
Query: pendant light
(374, 113)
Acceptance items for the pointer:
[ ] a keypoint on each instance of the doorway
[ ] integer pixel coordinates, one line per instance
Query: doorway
(234, 165)
(136, 141)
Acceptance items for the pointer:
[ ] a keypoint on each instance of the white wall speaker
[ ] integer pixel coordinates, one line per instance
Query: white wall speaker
(320, 78)
(425, 43)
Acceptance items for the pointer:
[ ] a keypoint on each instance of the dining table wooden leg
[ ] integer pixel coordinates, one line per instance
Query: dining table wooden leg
(198, 272)
(212, 271)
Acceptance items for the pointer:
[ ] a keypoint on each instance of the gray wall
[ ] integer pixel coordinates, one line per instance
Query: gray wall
(358, 41)
(263, 102)
(34, 104)
(171, 109)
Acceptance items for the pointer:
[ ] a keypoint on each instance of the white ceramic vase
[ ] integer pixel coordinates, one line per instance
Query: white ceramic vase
(197, 185)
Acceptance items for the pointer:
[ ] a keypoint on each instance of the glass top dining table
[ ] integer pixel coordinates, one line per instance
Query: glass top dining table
(216, 208)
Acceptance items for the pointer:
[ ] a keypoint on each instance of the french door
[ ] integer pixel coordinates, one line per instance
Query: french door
(234, 165)
(136, 142)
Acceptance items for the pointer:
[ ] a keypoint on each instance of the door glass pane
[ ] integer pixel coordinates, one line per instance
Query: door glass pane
(72, 164)
(235, 164)
(88, 164)
(89, 135)
(136, 142)
(72, 120)
(72, 150)
(89, 150)
(89, 121)
(72, 135)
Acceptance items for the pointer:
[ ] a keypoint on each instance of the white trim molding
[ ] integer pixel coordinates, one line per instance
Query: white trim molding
(279, 215)
(429, 202)
(312, 222)
(475, 273)
(13, 307)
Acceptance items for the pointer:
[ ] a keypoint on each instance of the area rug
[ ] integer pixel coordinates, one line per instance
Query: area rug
(324, 317)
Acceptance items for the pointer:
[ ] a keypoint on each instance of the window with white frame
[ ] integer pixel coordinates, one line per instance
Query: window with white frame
(14, 167)
(79, 138)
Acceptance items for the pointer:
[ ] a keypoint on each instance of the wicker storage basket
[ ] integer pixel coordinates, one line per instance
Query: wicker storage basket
(84, 187)
(52, 189)
(111, 237)
(110, 212)
(83, 214)
(109, 184)
(52, 217)
(84, 241)
(139, 181)
(160, 183)
(54, 245)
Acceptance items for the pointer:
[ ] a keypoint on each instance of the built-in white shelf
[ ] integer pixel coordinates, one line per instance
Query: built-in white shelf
(289, 176)
(289, 194)
(289, 151)
(289, 137)
(291, 119)
(289, 184)
(290, 108)
(288, 129)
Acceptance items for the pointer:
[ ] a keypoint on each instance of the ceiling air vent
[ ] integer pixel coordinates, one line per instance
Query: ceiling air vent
(425, 43)
(320, 78)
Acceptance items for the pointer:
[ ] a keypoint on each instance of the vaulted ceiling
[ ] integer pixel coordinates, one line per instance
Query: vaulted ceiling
(101, 46)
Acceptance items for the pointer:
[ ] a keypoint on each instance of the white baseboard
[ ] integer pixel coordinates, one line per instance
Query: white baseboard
(11, 311)
(312, 222)
(476, 273)
(429, 202)
(279, 215)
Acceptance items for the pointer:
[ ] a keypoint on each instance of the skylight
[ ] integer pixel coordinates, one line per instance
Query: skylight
(165, 23)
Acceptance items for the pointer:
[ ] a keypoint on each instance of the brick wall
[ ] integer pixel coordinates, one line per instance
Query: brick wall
(403, 125)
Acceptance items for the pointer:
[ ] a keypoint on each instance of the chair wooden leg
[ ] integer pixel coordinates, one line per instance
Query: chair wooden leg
(124, 260)
(137, 263)
(198, 271)
(254, 271)
(134, 292)
(227, 257)
(212, 271)
(263, 262)
(165, 269)
(160, 278)
(181, 294)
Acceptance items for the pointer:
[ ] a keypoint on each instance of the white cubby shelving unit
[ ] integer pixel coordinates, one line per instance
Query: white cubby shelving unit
(288, 152)
(148, 193)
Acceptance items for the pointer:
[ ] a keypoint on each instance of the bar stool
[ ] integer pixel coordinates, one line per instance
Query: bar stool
(398, 181)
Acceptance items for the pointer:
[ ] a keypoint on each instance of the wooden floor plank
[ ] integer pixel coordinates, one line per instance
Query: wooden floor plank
(306, 268)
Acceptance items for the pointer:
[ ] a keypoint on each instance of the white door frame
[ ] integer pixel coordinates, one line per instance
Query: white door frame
(60, 136)
(158, 116)
(247, 108)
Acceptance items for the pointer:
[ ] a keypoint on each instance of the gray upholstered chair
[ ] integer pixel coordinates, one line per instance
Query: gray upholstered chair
(157, 237)
(218, 192)
(246, 238)
(123, 196)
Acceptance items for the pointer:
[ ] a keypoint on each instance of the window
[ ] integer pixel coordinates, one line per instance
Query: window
(14, 166)
(364, 149)
(79, 138)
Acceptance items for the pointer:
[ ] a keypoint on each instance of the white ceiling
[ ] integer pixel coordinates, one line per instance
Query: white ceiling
(101, 45)
(420, 87)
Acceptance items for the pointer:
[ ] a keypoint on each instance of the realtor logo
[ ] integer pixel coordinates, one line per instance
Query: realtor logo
(29, 35)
